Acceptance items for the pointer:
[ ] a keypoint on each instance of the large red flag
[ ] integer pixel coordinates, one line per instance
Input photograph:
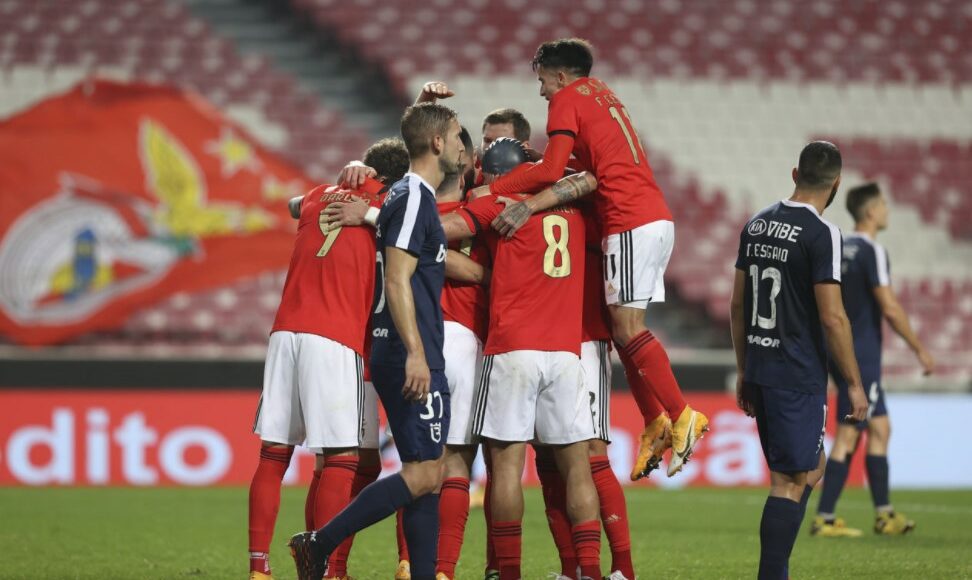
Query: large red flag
(114, 196)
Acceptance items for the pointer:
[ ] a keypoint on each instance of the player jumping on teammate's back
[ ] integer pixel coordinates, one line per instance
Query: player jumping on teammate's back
(406, 356)
(867, 298)
(587, 119)
(319, 331)
(786, 313)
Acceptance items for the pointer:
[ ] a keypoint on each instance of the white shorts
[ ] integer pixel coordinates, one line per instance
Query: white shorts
(463, 361)
(533, 394)
(635, 262)
(596, 364)
(314, 393)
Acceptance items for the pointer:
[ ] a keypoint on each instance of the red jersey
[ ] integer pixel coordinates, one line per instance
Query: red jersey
(462, 302)
(330, 282)
(597, 319)
(606, 144)
(537, 289)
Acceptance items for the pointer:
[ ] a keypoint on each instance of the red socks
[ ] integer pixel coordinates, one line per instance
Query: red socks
(311, 501)
(650, 361)
(337, 565)
(334, 491)
(614, 515)
(508, 539)
(265, 501)
(555, 501)
(400, 536)
(492, 563)
(453, 513)
(587, 544)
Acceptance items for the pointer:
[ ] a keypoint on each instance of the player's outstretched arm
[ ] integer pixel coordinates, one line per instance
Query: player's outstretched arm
(294, 206)
(462, 268)
(898, 319)
(543, 174)
(568, 189)
(737, 324)
(837, 329)
(432, 91)
(399, 267)
(456, 228)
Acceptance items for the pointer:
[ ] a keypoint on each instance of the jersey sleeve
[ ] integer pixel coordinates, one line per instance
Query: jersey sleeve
(741, 254)
(879, 269)
(825, 254)
(479, 213)
(405, 227)
(562, 116)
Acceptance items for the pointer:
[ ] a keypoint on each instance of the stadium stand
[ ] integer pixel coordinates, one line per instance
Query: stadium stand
(49, 46)
(692, 70)
(674, 38)
(724, 93)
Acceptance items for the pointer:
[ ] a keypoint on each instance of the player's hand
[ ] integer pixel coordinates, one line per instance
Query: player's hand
(512, 218)
(417, 378)
(742, 397)
(927, 362)
(533, 154)
(354, 174)
(434, 90)
(341, 213)
(858, 402)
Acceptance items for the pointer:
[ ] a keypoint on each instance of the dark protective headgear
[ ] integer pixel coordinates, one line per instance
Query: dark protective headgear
(503, 155)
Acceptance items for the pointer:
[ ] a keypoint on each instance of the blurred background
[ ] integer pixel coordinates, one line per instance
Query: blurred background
(148, 147)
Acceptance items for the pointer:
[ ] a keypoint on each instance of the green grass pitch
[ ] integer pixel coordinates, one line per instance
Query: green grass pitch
(691, 534)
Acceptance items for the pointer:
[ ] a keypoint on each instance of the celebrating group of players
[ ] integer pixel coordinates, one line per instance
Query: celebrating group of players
(488, 314)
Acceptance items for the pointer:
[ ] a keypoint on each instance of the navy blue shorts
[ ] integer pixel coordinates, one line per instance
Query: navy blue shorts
(871, 378)
(420, 428)
(791, 426)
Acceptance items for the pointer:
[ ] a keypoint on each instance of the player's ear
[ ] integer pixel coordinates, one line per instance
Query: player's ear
(795, 174)
(438, 144)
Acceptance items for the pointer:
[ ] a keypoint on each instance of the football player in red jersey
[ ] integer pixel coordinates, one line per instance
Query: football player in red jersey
(532, 368)
(313, 392)
(587, 119)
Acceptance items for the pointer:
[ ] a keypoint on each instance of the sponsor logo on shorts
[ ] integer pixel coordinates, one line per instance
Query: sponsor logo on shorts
(435, 430)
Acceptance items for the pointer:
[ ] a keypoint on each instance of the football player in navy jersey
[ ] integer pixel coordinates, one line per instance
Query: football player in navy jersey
(406, 353)
(787, 313)
(868, 298)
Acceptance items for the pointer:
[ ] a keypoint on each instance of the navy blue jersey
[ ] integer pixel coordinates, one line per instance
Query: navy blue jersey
(864, 268)
(409, 220)
(784, 250)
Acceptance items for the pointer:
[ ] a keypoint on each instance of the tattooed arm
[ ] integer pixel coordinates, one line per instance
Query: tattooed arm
(565, 191)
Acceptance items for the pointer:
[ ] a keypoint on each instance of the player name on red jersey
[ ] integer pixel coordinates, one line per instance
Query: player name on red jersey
(331, 278)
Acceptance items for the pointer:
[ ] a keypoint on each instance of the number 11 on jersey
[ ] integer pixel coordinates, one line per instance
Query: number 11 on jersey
(629, 133)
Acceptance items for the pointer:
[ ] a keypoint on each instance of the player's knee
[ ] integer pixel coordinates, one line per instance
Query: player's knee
(422, 478)
(597, 447)
(879, 433)
(368, 457)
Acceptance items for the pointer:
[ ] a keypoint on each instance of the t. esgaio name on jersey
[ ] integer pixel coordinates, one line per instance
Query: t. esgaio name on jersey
(774, 229)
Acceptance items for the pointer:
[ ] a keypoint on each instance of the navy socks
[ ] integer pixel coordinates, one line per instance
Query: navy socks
(421, 523)
(375, 503)
(778, 531)
(877, 479)
(835, 476)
